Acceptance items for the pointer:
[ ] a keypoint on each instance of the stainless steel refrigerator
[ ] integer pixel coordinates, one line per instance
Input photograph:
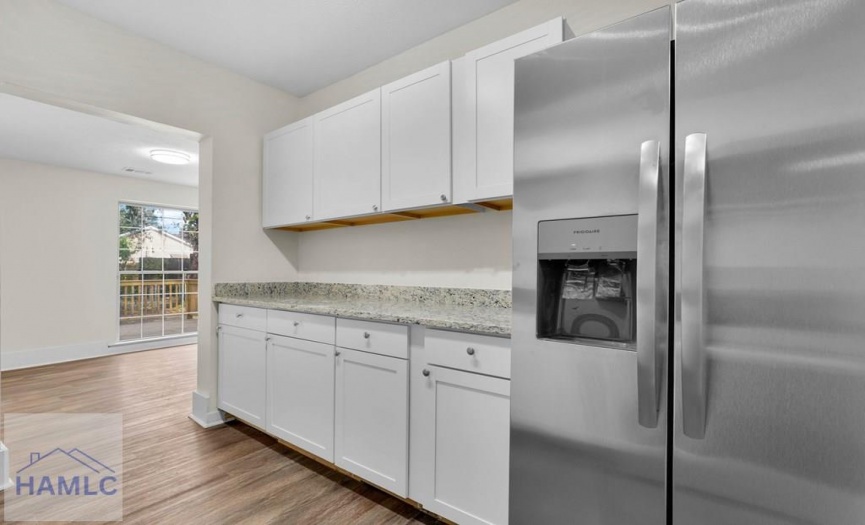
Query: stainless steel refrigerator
(689, 270)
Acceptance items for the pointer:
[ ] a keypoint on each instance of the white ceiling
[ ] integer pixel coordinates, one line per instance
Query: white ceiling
(47, 134)
(295, 45)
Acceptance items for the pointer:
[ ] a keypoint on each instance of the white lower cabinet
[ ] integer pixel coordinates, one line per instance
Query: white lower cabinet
(351, 406)
(242, 374)
(460, 426)
(300, 387)
(371, 431)
(470, 447)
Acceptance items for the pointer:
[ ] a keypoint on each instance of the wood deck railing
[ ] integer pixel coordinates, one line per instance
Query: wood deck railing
(143, 297)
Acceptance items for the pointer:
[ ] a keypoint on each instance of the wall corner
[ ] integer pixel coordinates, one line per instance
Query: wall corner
(202, 414)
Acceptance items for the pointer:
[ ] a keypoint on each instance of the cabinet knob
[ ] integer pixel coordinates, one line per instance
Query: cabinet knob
(267, 339)
(297, 323)
(238, 316)
(470, 351)
(308, 217)
(375, 207)
(366, 335)
(444, 198)
(425, 372)
(336, 353)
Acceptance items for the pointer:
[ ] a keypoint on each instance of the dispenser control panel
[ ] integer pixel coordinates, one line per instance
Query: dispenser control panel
(612, 237)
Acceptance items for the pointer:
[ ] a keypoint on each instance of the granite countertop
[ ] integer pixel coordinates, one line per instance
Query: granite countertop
(485, 312)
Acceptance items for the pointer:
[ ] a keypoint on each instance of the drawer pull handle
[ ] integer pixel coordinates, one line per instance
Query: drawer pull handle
(470, 351)
(297, 323)
(425, 372)
(366, 335)
(238, 316)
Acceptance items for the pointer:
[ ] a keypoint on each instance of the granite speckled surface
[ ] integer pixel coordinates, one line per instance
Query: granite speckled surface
(464, 309)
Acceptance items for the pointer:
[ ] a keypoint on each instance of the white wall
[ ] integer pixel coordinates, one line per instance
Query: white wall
(51, 52)
(465, 251)
(58, 252)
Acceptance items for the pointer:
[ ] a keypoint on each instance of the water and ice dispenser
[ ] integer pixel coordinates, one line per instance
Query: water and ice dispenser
(587, 280)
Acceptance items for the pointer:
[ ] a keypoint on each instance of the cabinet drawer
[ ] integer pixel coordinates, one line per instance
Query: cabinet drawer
(319, 328)
(243, 317)
(378, 338)
(469, 352)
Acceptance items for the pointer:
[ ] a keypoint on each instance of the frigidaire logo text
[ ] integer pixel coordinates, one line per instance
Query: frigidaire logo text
(578, 232)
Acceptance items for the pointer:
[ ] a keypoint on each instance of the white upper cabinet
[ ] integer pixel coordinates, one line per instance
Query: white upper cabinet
(484, 113)
(416, 140)
(348, 158)
(286, 185)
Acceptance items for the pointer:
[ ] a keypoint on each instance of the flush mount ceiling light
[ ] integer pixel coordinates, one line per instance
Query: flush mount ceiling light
(166, 156)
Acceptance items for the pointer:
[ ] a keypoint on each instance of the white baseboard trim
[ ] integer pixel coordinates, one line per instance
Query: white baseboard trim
(153, 344)
(202, 415)
(5, 480)
(18, 359)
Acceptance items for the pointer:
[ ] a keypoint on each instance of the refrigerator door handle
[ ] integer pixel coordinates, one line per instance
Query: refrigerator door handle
(648, 373)
(693, 353)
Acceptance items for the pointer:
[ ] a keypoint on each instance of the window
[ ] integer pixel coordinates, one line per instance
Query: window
(158, 263)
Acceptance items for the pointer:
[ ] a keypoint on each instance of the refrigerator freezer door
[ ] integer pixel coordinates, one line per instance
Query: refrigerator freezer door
(584, 109)
(777, 87)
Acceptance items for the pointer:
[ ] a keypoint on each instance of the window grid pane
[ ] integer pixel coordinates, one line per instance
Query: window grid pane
(158, 272)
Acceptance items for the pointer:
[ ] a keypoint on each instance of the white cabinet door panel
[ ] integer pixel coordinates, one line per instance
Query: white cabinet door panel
(286, 187)
(486, 81)
(469, 422)
(348, 158)
(242, 374)
(416, 139)
(371, 428)
(300, 377)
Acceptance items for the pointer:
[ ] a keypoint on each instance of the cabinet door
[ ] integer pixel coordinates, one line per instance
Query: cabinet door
(242, 365)
(300, 393)
(416, 140)
(466, 453)
(286, 185)
(372, 418)
(348, 158)
(486, 84)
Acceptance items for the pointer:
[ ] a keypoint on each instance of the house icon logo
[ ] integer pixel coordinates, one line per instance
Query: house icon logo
(65, 473)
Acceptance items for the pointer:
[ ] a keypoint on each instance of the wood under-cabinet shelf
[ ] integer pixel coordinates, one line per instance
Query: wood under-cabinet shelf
(400, 216)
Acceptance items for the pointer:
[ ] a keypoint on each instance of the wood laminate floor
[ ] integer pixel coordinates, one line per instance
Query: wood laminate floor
(177, 472)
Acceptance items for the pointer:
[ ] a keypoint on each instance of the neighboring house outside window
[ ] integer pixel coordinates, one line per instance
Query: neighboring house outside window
(158, 263)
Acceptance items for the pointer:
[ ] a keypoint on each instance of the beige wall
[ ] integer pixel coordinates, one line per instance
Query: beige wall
(49, 51)
(58, 251)
(466, 251)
